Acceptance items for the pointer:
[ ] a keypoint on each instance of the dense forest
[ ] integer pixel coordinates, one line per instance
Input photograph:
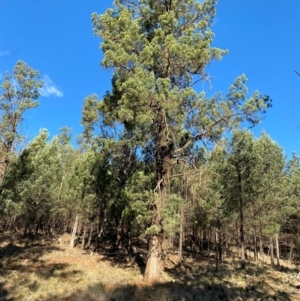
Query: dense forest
(160, 168)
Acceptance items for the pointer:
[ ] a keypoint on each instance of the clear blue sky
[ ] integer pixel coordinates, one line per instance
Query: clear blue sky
(55, 37)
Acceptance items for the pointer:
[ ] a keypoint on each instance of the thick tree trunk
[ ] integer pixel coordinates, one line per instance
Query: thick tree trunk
(154, 262)
(163, 156)
(72, 240)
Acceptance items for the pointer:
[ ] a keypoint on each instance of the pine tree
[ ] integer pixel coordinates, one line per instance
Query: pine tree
(31, 185)
(273, 205)
(239, 177)
(20, 93)
(159, 51)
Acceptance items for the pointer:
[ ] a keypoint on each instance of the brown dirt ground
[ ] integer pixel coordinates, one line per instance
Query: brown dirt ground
(49, 271)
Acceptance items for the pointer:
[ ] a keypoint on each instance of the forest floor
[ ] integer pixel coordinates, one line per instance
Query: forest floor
(49, 271)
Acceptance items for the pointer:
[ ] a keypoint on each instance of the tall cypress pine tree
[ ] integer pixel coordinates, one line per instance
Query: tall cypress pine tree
(159, 50)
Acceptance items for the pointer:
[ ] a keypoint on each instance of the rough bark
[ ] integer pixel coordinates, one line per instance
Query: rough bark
(163, 155)
(154, 262)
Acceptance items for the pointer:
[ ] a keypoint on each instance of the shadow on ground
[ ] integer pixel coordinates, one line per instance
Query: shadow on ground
(170, 292)
(194, 279)
(18, 263)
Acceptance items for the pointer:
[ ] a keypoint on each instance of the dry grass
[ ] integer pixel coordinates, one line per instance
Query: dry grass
(53, 272)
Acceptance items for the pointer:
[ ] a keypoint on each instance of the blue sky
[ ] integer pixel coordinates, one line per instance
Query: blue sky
(55, 37)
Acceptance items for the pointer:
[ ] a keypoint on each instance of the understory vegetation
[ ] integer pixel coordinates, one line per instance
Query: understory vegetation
(166, 195)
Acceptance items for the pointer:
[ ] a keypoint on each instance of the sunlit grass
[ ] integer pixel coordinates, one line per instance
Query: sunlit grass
(54, 272)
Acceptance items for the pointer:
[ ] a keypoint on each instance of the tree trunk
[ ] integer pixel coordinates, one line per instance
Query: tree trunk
(241, 209)
(217, 250)
(271, 251)
(79, 228)
(180, 234)
(101, 230)
(225, 243)
(291, 255)
(90, 235)
(163, 156)
(72, 241)
(208, 242)
(255, 246)
(83, 236)
(119, 234)
(154, 262)
(243, 262)
(220, 242)
(12, 232)
(200, 241)
(277, 250)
